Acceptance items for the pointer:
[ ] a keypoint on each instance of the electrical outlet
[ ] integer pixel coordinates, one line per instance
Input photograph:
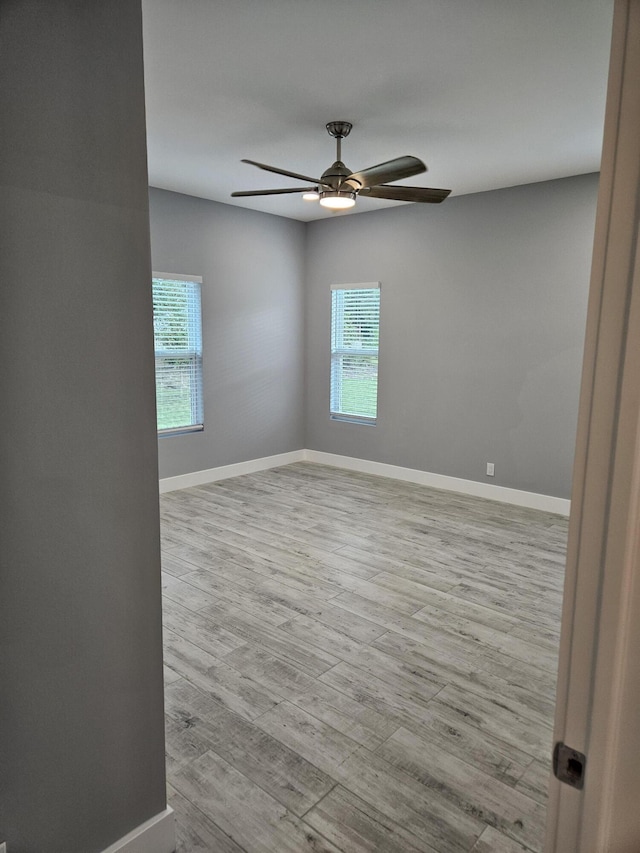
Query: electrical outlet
(491, 471)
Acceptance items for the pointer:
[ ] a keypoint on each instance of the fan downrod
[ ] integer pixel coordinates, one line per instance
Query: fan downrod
(339, 129)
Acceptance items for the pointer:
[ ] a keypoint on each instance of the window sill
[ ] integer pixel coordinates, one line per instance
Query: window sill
(353, 419)
(186, 430)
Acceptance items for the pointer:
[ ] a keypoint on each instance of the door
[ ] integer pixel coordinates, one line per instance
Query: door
(598, 705)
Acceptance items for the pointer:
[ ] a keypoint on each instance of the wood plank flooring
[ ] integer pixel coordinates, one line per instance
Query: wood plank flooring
(357, 664)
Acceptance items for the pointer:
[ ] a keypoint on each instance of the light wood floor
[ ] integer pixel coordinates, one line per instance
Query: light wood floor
(357, 664)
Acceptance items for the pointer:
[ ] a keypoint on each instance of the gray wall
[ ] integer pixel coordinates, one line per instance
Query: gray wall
(81, 722)
(252, 303)
(483, 308)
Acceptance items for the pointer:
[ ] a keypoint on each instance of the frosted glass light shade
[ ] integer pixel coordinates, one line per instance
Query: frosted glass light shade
(338, 200)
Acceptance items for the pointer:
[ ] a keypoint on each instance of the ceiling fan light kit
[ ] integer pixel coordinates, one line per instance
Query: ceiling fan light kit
(338, 199)
(338, 187)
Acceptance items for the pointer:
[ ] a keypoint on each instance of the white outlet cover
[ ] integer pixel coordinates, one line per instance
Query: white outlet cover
(491, 469)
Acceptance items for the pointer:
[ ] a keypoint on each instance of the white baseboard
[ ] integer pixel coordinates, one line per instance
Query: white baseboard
(532, 500)
(210, 475)
(156, 835)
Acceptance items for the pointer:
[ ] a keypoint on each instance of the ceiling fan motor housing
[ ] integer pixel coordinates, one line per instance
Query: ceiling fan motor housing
(336, 173)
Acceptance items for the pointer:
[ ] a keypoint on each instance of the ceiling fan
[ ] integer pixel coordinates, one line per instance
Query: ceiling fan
(338, 187)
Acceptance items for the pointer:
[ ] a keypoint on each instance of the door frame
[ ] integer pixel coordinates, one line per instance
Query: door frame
(598, 701)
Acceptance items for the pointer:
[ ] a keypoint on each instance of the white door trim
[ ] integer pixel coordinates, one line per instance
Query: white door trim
(598, 687)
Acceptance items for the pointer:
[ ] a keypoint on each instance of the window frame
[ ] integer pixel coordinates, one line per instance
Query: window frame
(338, 352)
(193, 352)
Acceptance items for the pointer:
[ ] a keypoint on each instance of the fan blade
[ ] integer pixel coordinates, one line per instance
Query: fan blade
(424, 194)
(392, 170)
(284, 172)
(275, 192)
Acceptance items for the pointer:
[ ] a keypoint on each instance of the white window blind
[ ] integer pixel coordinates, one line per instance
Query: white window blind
(177, 330)
(355, 324)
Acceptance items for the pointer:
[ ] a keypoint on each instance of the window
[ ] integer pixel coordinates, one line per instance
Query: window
(177, 332)
(355, 323)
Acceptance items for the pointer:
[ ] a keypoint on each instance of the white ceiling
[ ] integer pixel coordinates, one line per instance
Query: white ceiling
(489, 93)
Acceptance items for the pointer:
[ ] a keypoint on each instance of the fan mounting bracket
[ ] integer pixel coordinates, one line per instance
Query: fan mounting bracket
(339, 129)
